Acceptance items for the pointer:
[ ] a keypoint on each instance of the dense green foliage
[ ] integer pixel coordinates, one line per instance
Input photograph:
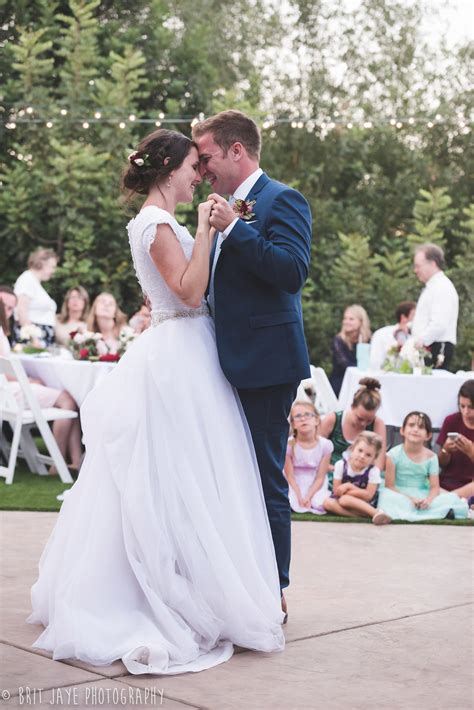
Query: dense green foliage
(375, 190)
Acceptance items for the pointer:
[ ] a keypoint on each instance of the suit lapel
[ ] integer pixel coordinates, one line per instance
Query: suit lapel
(259, 185)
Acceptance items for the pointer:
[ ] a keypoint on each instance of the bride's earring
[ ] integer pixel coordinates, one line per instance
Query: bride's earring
(168, 184)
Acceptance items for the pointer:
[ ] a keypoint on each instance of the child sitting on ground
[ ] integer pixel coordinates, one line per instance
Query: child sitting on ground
(356, 481)
(307, 461)
(412, 490)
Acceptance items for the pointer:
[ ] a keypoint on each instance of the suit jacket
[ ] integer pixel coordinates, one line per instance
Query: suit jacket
(258, 279)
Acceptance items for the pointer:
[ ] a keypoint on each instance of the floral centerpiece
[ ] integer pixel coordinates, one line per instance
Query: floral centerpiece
(30, 340)
(86, 345)
(407, 359)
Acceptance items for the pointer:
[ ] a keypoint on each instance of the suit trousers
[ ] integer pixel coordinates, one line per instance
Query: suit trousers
(267, 410)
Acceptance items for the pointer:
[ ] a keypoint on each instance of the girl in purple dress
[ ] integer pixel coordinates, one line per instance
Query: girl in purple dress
(356, 481)
(307, 461)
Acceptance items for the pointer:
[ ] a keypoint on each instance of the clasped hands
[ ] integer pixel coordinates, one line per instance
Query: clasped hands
(219, 212)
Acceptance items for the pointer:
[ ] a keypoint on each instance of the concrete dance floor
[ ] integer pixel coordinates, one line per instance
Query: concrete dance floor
(378, 618)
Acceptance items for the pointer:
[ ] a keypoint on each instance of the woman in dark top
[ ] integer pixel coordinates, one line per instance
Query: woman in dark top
(456, 456)
(355, 329)
(343, 427)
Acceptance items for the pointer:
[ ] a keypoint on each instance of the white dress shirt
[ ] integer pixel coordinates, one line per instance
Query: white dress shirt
(381, 342)
(41, 307)
(240, 194)
(436, 315)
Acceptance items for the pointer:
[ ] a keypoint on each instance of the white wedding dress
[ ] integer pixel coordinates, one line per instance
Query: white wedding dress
(162, 554)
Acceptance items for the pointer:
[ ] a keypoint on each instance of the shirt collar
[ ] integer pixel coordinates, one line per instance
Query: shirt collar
(435, 277)
(245, 187)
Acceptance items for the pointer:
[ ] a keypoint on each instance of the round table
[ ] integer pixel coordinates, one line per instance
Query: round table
(75, 376)
(435, 394)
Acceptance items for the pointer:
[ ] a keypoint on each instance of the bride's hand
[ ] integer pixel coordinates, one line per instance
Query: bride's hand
(204, 213)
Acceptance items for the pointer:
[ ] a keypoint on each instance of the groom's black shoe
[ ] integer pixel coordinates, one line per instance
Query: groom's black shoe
(284, 608)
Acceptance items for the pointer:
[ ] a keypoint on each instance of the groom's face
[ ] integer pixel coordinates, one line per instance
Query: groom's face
(216, 165)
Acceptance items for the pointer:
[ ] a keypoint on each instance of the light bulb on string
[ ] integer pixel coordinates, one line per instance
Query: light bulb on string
(97, 115)
(49, 124)
(85, 124)
(122, 124)
(63, 112)
(157, 124)
(132, 117)
(29, 110)
(430, 124)
(194, 122)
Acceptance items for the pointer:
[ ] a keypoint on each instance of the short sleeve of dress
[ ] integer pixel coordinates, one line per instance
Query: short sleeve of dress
(374, 475)
(338, 469)
(394, 453)
(433, 466)
(327, 446)
(156, 217)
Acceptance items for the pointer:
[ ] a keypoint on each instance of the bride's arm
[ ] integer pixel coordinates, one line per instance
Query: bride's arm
(187, 279)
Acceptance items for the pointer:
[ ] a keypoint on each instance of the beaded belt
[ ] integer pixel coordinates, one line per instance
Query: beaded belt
(158, 317)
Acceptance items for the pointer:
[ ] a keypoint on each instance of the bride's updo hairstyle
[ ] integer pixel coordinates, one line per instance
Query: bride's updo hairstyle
(155, 158)
(368, 394)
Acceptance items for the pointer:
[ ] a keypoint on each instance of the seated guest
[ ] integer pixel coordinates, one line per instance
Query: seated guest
(456, 456)
(355, 329)
(356, 481)
(343, 427)
(67, 432)
(412, 490)
(307, 461)
(141, 320)
(74, 312)
(105, 317)
(35, 306)
(391, 335)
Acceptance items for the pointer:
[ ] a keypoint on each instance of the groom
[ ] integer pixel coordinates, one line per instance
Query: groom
(259, 264)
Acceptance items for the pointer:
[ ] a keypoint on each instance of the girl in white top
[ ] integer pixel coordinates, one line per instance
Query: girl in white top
(67, 432)
(35, 305)
(356, 480)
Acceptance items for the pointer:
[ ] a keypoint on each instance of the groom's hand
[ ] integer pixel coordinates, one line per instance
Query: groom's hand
(222, 213)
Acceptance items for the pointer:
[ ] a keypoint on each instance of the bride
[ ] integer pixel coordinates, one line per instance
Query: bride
(162, 554)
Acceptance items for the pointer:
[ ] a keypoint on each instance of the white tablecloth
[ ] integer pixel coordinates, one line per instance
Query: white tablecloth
(435, 395)
(77, 377)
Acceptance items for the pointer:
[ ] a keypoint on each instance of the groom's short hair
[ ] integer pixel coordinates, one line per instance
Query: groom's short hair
(229, 127)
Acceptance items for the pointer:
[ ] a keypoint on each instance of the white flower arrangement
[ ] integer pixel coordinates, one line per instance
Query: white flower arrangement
(408, 359)
(30, 332)
(126, 337)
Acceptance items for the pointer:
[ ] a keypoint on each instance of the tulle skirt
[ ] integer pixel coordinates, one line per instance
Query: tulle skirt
(162, 553)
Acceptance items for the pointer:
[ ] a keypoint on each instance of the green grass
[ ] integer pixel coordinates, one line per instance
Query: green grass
(32, 492)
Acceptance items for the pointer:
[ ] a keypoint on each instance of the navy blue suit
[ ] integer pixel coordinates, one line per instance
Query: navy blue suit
(259, 329)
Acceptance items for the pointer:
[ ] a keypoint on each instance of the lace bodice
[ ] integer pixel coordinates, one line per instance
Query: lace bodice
(141, 233)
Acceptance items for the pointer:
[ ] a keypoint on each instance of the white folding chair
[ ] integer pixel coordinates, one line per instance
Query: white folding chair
(326, 400)
(23, 414)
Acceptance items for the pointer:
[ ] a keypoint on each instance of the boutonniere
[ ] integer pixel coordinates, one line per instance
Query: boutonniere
(243, 208)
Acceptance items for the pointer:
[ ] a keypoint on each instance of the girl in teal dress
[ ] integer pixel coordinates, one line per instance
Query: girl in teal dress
(412, 489)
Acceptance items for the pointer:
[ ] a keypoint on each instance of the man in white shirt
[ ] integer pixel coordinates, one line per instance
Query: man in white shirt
(390, 335)
(437, 309)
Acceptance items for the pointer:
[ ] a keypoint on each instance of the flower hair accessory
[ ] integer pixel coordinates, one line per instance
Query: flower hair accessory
(139, 159)
(243, 208)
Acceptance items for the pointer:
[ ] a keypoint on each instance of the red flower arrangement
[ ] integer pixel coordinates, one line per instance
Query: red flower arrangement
(243, 208)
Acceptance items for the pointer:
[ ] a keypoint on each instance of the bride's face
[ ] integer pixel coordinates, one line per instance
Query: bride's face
(187, 177)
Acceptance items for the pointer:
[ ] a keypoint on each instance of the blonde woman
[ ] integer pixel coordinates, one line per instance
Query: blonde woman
(355, 329)
(35, 306)
(105, 317)
(74, 312)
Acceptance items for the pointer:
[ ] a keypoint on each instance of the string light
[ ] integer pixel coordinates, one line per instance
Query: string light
(26, 116)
